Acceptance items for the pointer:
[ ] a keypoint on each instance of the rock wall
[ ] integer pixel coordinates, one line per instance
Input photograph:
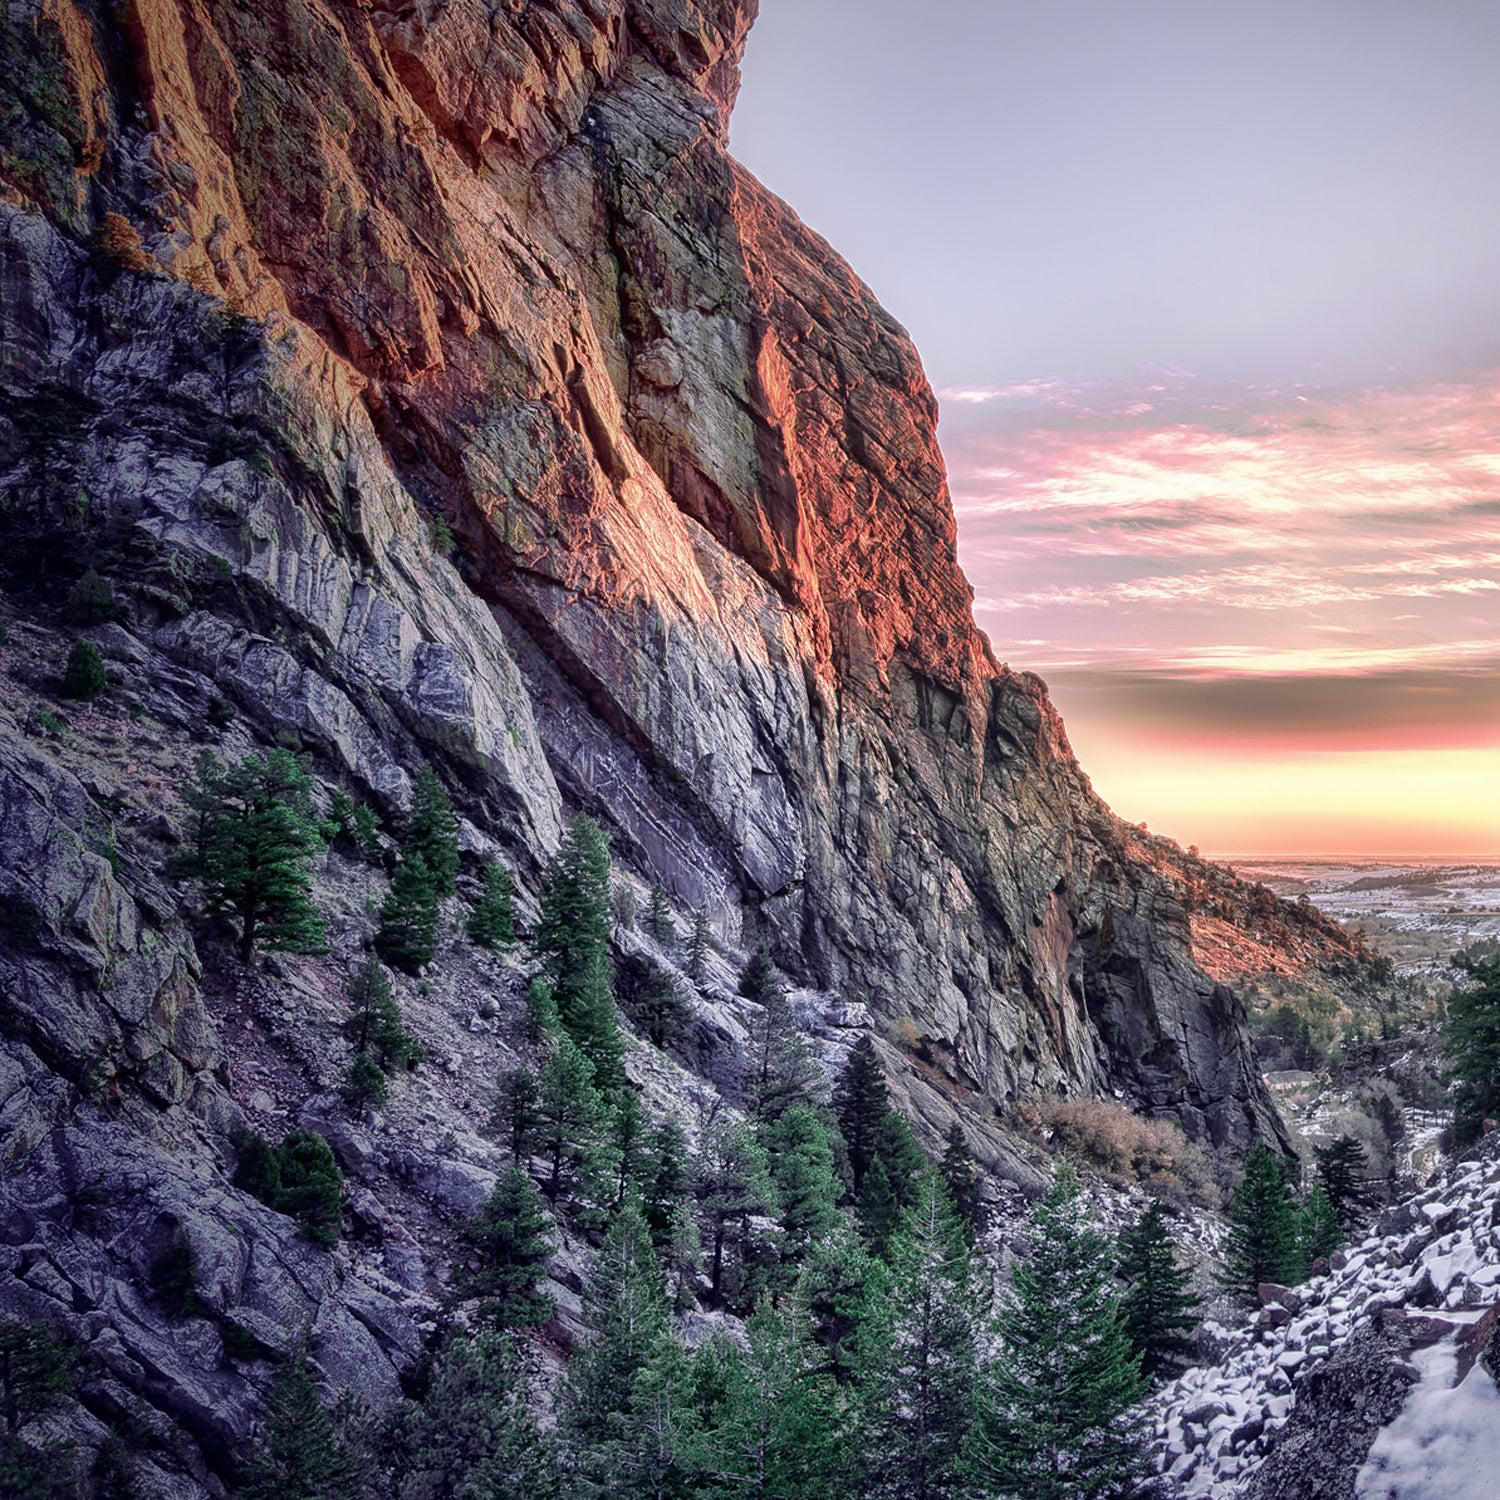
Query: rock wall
(492, 267)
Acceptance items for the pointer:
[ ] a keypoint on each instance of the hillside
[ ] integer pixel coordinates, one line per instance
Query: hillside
(429, 387)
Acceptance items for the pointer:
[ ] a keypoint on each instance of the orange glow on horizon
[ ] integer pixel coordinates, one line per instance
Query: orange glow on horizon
(1404, 804)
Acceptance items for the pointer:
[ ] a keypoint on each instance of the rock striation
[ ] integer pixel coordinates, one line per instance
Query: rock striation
(491, 275)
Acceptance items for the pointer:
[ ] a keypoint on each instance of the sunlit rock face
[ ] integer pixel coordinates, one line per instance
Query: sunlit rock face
(491, 264)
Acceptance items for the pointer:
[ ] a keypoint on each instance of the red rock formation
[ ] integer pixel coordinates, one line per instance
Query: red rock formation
(502, 272)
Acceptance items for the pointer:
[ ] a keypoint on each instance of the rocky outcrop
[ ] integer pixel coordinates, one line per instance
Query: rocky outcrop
(495, 270)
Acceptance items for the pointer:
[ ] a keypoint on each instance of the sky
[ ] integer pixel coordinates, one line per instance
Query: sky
(1210, 295)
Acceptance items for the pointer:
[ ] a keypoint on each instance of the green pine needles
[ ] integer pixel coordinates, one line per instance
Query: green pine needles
(571, 943)
(1473, 1047)
(1160, 1309)
(256, 834)
(1052, 1422)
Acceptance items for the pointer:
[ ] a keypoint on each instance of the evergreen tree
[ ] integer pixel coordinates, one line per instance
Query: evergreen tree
(782, 1071)
(666, 1184)
(91, 601)
(629, 1144)
(37, 1375)
(492, 923)
(311, 1185)
(771, 1423)
(1318, 1229)
(256, 834)
(84, 677)
(759, 980)
(512, 1233)
(625, 1411)
(871, 1128)
(258, 1171)
(1263, 1241)
(572, 943)
(1342, 1168)
(732, 1184)
(918, 1359)
(542, 1020)
(700, 945)
(1051, 1423)
(1159, 1310)
(375, 1024)
(655, 1003)
(799, 1153)
(659, 917)
(517, 1116)
(840, 1279)
(961, 1178)
(571, 1121)
(475, 1436)
(430, 832)
(878, 1209)
(1473, 1048)
(407, 936)
(301, 1453)
(364, 1085)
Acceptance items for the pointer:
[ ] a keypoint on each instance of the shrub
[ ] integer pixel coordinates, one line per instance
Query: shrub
(120, 243)
(174, 1276)
(83, 677)
(364, 1083)
(299, 1177)
(1128, 1148)
(91, 601)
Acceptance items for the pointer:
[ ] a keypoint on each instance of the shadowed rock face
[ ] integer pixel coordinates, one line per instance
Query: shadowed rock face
(492, 264)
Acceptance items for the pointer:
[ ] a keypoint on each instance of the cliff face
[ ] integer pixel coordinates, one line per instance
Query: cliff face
(491, 265)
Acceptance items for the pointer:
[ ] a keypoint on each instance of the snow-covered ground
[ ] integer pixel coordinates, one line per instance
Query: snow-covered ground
(1417, 912)
(1215, 1426)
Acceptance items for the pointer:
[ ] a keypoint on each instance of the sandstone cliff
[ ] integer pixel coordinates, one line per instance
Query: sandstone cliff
(292, 293)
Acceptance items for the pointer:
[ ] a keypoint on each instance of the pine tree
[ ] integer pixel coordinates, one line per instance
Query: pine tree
(1159, 1310)
(256, 834)
(961, 1178)
(771, 1422)
(375, 1025)
(666, 1179)
(1342, 1169)
(364, 1084)
(782, 1071)
(512, 1233)
(700, 945)
(655, 1003)
(629, 1144)
(799, 1153)
(878, 1209)
(1473, 1048)
(258, 1171)
(732, 1184)
(759, 980)
(492, 923)
(571, 1121)
(840, 1280)
(407, 936)
(311, 1189)
(1262, 1245)
(517, 1116)
(84, 677)
(1319, 1232)
(870, 1127)
(918, 1359)
(37, 1376)
(301, 1453)
(1052, 1422)
(659, 921)
(475, 1436)
(624, 1408)
(430, 832)
(572, 943)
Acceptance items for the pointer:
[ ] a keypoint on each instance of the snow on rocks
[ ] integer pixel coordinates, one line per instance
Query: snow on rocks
(1402, 1308)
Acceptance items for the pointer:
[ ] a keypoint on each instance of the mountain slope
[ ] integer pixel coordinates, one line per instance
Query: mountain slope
(500, 272)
